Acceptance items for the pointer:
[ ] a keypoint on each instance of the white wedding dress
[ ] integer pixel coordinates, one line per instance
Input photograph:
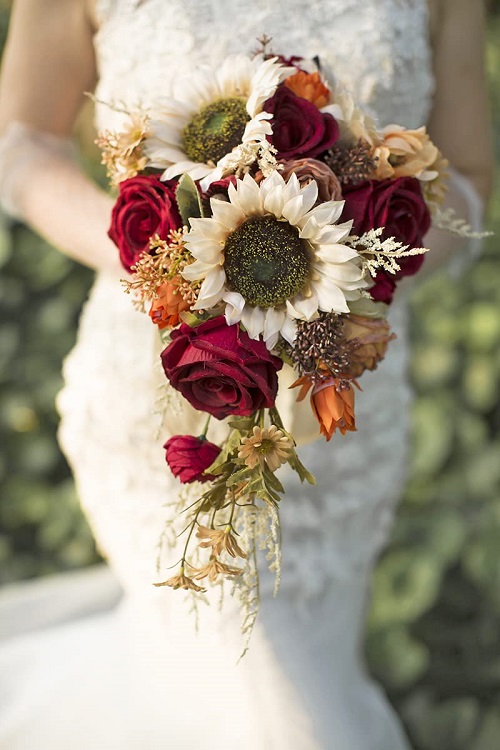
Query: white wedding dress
(138, 676)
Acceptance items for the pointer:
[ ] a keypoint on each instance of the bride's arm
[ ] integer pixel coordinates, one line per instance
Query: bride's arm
(48, 64)
(460, 119)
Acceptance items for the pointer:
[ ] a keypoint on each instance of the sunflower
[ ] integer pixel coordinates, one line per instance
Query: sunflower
(273, 258)
(213, 112)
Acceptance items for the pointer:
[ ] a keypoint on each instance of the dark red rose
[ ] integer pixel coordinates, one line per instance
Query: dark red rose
(220, 369)
(189, 456)
(218, 189)
(144, 207)
(398, 206)
(299, 128)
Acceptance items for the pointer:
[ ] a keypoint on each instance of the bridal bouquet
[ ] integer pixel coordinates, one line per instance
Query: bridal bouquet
(266, 222)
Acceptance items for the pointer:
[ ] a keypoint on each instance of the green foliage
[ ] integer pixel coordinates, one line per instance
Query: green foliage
(41, 293)
(433, 635)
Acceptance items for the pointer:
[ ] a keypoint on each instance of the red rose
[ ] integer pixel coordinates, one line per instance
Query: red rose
(189, 456)
(144, 207)
(398, 206)
(218, 189)
(299, 128)
(220, 369)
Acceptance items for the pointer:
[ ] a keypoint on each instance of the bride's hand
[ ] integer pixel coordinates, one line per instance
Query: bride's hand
(48, 65)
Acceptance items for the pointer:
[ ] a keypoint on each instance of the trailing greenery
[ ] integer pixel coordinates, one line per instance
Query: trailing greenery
(433, 635)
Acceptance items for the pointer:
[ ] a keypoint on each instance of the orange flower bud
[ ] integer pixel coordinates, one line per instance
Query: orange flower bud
(309, 86)
(166, 308)
(332, 403)
(368, 339)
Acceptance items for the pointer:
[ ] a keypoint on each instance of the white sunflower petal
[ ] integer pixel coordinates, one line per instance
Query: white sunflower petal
(211, 290)
(197, 270)
(333, 233)
(303, 308)
(335, 253)
(273, 202)
(197, 171)
(289, 330)
(274, 319)
(247, 197)
(253, 320)
(293, 210)
(330, 297)
(206, 228)
(227, 214)
(234, 307)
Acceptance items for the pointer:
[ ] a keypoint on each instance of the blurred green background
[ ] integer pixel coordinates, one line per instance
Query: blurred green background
(433, 636)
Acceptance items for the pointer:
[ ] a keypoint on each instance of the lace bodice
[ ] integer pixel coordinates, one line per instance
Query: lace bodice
(367, 44)
(334, 531)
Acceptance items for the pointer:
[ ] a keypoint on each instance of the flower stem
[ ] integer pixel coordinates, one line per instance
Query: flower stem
(205, 429)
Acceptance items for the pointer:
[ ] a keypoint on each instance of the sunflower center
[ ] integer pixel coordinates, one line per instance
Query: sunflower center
(266, 261)
(215, 130)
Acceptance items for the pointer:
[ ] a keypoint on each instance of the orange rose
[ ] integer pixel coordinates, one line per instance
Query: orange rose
(332, 402)
(403, 153)
(309, 86)
(166, 308)
(368, 339)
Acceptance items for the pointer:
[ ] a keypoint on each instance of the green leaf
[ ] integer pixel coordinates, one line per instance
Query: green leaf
(240, 476)
(242, 424)
(188, 199)
(272, 481)
(300, 469)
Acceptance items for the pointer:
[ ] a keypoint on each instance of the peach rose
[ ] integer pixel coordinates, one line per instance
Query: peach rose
(167, 307)
(368, 339)
(332, 403)
(309, 86)
(329, 188)
(403, 153)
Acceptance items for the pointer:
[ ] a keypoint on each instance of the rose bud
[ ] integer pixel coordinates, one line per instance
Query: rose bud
(167, 306)
(189, 456)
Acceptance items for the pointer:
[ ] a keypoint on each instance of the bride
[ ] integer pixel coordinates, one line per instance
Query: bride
(138, 675)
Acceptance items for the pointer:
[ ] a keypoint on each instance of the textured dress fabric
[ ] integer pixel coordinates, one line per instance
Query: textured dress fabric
(140, 676)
